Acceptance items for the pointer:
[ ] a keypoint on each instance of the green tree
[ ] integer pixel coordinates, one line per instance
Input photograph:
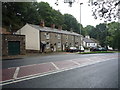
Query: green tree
(101, 34)
(70, 22)
(114, 35)
(16, 14)
(49, 15)
(90, 30)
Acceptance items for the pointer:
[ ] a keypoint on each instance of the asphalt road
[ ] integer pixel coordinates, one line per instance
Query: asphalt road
(100, 75)
(43, 59)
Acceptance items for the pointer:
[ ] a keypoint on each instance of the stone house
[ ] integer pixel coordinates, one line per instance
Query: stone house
(77, 41)
(46, 39)
(64, 40)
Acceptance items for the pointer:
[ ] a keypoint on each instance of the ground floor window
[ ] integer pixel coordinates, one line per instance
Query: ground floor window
(47, 45)
(59, 44)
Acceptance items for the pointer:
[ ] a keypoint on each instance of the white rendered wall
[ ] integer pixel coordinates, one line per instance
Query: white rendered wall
(91, 44)
(32, 37)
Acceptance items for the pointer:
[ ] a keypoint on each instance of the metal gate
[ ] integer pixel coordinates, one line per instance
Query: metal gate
(13, 47)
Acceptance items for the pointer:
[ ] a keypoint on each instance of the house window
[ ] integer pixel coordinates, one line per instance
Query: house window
(59, 36)
(55, 35)
(59, 44)
(88, 44)
(72, 37)
(66, 44)
(66, 37)
(47, 45)
(47, 36)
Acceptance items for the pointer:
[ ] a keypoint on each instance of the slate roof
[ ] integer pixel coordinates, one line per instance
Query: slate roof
(48, 29)
(95, 40)
(88, 40)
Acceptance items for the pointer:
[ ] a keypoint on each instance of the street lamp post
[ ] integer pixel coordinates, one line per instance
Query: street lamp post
(80, 28)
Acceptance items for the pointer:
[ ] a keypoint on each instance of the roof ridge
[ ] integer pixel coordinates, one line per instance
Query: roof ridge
(52, 30)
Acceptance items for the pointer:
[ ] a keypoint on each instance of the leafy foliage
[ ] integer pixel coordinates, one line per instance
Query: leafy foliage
(17, 14)
(106, 34)
(71, 23)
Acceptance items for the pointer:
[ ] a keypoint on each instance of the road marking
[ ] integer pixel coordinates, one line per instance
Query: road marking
(23, 66)
(75, 62)
(49, 73)
(28, 65)
(16, 72)
(55, 65)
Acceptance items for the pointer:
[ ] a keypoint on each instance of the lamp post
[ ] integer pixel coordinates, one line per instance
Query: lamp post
(80, 28)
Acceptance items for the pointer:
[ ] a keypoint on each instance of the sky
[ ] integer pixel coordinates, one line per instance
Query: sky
(86, 13)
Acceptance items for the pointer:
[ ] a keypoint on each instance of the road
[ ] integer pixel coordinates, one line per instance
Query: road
(98, 75)
(43, 59)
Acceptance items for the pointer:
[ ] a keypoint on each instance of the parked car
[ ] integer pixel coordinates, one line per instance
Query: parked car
(81, 49)
(94, 49)
(102, 49)
(71, 49)
(110, 48)
(98, 49)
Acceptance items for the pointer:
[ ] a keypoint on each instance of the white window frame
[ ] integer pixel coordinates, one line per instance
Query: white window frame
(48, 46)
(66, 37)
(59, 45)
(47, 36)
(59, 36)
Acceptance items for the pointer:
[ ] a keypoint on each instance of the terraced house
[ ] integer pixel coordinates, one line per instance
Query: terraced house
(48, 39)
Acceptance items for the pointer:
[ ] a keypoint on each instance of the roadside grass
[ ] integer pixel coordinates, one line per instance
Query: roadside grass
(93, 52)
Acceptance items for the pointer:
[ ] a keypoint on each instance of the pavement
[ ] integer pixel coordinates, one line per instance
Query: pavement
(21, 73)
(11, 57)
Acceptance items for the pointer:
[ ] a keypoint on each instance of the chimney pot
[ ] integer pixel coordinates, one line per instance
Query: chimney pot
(60, 28)
(71, 30)
(42, 23)
(52, 25)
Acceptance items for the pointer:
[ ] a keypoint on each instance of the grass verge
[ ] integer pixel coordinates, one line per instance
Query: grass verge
(93, 52)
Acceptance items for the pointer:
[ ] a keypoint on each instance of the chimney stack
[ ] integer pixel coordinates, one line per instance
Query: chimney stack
(71, 30)
(59, 27)
(42, 23)
(52, 25)
(88, 37)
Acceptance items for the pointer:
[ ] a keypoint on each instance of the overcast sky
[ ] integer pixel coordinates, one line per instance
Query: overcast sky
(86, 13)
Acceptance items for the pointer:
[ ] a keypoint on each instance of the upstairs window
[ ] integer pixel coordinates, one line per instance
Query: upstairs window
(47, 36)
(72, 37)
(66, 37)
(59, 36)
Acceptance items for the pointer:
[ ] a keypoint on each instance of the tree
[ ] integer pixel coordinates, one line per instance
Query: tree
(106, 10)
(70, 22)
(16, 14)
(114, 35)
(89, 30)
(49, 15)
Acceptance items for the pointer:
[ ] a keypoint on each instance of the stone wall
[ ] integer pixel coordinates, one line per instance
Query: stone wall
(9, 37)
